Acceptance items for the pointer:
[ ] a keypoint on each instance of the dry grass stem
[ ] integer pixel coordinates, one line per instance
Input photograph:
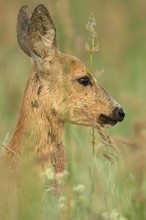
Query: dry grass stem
(106, 139)
(10, 150)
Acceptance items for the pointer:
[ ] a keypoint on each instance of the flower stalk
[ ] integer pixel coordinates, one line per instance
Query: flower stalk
(92, 47)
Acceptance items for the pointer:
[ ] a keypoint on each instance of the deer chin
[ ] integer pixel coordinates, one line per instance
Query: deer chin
(108, 125)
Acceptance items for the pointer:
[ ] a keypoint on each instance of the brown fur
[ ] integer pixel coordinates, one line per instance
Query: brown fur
(53, 94)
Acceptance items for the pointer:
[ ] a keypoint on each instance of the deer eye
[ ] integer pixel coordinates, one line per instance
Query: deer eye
(85, 81)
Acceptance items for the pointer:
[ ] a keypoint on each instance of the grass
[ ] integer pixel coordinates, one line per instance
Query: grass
(93, 187)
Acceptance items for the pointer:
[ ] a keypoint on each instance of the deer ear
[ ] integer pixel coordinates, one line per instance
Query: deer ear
(23, 23)
(42, 33)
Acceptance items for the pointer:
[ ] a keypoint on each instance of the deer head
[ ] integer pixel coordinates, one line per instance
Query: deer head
(64, 85)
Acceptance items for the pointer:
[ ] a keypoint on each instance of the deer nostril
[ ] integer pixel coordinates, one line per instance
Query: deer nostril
(121, 113)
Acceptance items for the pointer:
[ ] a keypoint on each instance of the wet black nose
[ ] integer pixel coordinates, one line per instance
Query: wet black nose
(120, 114)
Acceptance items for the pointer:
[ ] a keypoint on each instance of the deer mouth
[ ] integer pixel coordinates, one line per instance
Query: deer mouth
(117, 116)
(107, 120)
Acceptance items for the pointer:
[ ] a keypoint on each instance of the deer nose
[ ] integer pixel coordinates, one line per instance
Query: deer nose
(120, 114)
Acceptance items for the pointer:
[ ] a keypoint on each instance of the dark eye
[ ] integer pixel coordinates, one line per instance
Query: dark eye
(85, 81)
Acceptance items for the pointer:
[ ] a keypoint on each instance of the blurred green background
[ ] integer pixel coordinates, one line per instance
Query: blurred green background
(121, 28)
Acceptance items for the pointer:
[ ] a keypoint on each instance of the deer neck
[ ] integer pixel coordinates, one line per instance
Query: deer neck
(38, 129)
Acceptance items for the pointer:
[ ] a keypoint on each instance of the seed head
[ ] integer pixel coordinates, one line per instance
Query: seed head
(90, 26)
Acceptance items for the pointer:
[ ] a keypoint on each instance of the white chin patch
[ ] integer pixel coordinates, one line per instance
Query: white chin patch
(109, 126)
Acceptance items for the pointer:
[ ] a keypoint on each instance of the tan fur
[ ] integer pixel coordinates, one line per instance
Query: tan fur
(52, 94)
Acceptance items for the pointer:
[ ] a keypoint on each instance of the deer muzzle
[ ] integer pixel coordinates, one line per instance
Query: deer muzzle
(117, 116)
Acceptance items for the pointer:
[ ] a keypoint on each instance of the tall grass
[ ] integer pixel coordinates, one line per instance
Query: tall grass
(91, 187)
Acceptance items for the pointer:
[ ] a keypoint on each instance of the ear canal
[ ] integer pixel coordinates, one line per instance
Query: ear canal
(23, 23)
(42, 33)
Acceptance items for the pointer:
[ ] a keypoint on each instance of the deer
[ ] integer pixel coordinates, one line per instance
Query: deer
(59, 89)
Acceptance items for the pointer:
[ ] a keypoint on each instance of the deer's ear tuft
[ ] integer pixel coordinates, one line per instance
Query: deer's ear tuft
(36, 32)
(42, 33)
(23, 23)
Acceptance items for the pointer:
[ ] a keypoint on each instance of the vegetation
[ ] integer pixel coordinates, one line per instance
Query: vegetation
(93, 186)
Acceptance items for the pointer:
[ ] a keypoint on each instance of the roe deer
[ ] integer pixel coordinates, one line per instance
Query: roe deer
(59, 89)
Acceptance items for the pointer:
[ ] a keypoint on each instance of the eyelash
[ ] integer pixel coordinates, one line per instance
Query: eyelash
(85, 81)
